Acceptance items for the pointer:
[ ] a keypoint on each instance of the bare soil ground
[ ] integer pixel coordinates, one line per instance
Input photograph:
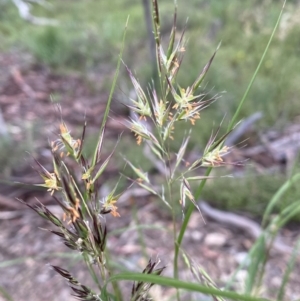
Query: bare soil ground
(26, 251)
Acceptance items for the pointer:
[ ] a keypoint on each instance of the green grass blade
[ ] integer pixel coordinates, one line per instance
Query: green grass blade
(8, 263)
(20, 260)
(290, 266)
(111, 93)
(257, 259)
(136, 228)
(171, 282)
(231, 125)
(277, 197)
(139, 232)
(236, 114)
(5, 294)
(240, 267)
(288, 213)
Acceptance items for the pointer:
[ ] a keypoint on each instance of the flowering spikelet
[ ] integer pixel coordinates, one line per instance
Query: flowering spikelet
(160, 109)
(140, 131)
(141, 106)
(51, 182)
(140, 290)
(214, 158)
(71, 211)
(110, 207)
(108, 203)
(80, 292)
(66, 142)
(51, 179)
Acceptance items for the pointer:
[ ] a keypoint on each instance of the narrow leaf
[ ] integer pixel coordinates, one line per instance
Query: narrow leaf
(110, 94)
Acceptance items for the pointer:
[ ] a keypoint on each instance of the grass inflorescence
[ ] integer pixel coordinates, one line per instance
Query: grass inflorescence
(157, 112)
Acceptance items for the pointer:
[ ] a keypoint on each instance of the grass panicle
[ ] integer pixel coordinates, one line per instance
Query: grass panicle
(157, 112)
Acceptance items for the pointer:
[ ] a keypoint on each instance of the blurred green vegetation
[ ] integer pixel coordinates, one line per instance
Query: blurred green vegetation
(250, 193)
(89, 37)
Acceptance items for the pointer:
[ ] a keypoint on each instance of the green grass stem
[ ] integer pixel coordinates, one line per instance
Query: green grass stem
(237, 112)
(231, 125)
(110, 94)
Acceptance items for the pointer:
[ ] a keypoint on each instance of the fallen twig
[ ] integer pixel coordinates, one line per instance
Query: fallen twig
(243, 223)
(242, 128)
(24, 12)
(231, 219)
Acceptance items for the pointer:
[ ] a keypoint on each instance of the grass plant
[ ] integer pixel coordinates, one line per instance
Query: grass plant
(157, 112)
(89, 42)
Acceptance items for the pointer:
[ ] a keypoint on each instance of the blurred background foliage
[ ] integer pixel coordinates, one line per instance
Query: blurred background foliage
(88, 39)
